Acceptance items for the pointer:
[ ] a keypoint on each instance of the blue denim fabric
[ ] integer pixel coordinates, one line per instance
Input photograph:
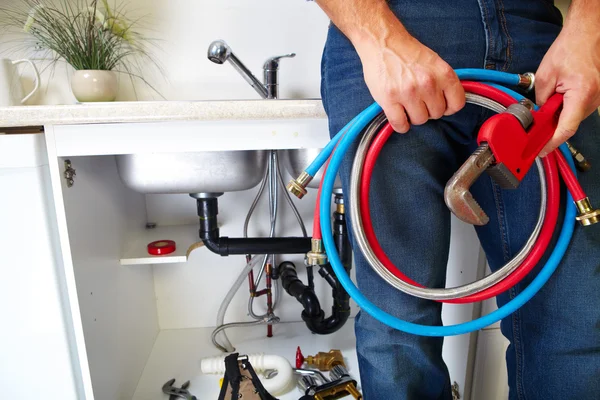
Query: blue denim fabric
(555, 338)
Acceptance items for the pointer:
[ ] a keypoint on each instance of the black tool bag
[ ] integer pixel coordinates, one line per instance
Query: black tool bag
(241, 382)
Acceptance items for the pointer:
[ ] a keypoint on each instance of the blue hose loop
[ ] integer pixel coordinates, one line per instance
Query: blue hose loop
(425, 330)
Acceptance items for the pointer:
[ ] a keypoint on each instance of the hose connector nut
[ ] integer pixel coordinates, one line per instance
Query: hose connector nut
(587, 214)
(527, 81)
(316, 256)
(580, 161)
(298, 186)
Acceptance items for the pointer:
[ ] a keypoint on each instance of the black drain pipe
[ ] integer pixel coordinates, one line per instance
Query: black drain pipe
(313, 315)
(208, 209)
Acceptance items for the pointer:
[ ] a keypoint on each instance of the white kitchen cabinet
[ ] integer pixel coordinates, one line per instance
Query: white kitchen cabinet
(129, 322)
(35, 356)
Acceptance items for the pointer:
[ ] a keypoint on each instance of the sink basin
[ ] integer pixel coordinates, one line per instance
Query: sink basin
(296, 160)
(199, 172)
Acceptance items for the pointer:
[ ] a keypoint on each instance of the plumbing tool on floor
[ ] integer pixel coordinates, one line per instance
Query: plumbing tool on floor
(241, 382)
(278, 375)
(177, 393)
(509, 144)
(340, 385)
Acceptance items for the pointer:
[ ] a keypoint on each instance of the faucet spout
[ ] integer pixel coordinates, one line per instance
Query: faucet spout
(219, 52)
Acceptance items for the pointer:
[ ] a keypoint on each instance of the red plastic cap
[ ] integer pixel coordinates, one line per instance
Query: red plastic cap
(161, 247)
(299, 358)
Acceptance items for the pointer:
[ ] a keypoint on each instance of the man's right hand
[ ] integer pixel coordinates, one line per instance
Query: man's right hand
(410, 81)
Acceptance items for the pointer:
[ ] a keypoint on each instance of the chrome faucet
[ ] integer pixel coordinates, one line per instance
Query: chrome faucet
(219, 52)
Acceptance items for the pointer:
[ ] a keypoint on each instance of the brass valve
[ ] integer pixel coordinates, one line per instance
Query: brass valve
(326, 361)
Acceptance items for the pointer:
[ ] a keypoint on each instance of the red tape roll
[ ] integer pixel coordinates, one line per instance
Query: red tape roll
(161, 247)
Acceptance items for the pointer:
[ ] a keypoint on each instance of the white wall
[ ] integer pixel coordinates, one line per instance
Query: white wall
(255, 30)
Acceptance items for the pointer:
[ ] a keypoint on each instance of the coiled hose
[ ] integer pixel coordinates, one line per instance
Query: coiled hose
(339, 146)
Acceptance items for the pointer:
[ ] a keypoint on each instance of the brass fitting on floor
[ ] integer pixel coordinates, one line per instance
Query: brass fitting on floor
(580, 161)
(587, 214)
(316, 255)
(326, 361)
(527, 81)
(298, 186)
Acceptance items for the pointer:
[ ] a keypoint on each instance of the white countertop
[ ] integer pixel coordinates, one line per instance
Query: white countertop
(154, 111)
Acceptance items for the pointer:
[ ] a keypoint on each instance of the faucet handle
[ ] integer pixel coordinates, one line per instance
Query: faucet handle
(273, 62)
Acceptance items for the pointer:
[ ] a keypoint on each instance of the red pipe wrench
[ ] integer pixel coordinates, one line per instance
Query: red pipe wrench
(508, 142)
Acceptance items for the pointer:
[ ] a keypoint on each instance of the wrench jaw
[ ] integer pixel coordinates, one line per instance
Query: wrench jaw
(465, 207)
(503, 177)
(457, 193)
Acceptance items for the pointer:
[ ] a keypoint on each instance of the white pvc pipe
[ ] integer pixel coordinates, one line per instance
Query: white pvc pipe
(280, 384)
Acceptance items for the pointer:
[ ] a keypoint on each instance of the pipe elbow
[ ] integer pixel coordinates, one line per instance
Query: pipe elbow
(310, 302)
(212, 245)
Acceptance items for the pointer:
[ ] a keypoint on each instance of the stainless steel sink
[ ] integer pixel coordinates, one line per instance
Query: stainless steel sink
(200, 172)
(296, 160)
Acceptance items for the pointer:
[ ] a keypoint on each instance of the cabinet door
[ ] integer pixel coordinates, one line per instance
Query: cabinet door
(34, 345)
(489, 376)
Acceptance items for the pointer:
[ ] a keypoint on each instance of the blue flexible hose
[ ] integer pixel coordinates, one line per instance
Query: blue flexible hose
(425, 330)
(502, 78)
(494, 77)
(358, 122)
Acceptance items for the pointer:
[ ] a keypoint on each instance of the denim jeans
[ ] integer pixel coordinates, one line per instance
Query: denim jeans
(554, 350)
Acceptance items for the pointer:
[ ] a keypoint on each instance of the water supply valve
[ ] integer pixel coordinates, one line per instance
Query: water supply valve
(322, 361)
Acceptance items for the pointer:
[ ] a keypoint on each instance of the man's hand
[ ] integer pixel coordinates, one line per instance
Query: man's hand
(410, 81)
(572, 66)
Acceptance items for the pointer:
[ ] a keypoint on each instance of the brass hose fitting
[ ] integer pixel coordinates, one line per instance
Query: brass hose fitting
(587, 214)
(316, 255)
(527, 81)
(580, 161)
(298, 186)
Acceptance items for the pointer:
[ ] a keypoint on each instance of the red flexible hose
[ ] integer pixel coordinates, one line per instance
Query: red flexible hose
(530, 261)
(569, 178)
(316, 234)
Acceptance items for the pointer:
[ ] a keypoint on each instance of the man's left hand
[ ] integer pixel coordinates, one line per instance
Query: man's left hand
(572, 67)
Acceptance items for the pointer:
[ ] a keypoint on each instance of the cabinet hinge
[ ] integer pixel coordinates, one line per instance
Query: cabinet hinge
(455, 391)
(69, 173)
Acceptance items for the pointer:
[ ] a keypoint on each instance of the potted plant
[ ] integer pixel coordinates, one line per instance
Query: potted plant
(95, 38)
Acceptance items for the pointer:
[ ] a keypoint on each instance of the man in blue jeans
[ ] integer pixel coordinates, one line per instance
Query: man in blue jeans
(401, 53)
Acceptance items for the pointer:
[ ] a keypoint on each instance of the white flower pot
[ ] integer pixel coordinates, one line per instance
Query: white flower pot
(94, 85)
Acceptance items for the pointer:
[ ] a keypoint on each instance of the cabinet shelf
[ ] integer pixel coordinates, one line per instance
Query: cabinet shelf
(177, 354)
(135, 250)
